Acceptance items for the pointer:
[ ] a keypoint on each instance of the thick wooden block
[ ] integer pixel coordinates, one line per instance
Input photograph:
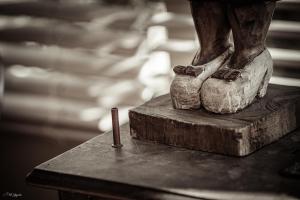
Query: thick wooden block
(239, 134)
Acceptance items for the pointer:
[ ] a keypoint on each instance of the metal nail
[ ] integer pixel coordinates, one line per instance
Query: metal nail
(116, 128)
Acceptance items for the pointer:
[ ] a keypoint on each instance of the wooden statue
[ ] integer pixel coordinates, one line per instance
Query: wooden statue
(222, 78)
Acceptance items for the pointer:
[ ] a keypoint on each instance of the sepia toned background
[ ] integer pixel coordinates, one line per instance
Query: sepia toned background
(66, 63)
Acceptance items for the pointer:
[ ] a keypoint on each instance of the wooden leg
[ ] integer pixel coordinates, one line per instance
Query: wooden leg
(250, 23)
(212, 28)
(236, 84)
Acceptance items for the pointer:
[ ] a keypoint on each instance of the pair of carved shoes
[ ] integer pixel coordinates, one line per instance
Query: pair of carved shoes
(217, 87)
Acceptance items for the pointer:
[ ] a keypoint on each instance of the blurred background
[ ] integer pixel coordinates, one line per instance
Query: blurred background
(66, 63)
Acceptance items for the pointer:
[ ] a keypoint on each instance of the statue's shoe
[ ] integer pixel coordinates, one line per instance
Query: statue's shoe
(185, 87)
(230, 90)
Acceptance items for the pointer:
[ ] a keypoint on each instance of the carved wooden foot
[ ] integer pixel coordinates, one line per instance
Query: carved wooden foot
(246, 76)
(185, 88)
(230, 90)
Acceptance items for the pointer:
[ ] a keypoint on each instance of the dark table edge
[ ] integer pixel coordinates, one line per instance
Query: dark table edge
(100, 188)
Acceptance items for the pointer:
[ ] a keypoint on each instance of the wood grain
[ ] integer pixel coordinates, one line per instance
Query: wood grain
(239, 134)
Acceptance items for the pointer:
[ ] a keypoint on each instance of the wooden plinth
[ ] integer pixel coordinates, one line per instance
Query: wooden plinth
(239, 134)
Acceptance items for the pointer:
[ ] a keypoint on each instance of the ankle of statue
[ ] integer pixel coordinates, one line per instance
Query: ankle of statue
(210, 56)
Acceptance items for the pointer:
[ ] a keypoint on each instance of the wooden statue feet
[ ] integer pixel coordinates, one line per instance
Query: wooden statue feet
(225, 82)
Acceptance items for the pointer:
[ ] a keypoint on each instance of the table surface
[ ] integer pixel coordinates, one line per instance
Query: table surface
(143, 169)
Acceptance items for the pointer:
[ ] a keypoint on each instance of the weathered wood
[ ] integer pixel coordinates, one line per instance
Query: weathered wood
(145, 170)
(239, 134)
(233, 90)
(185, 89)
(213, 20)
(230, 90)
